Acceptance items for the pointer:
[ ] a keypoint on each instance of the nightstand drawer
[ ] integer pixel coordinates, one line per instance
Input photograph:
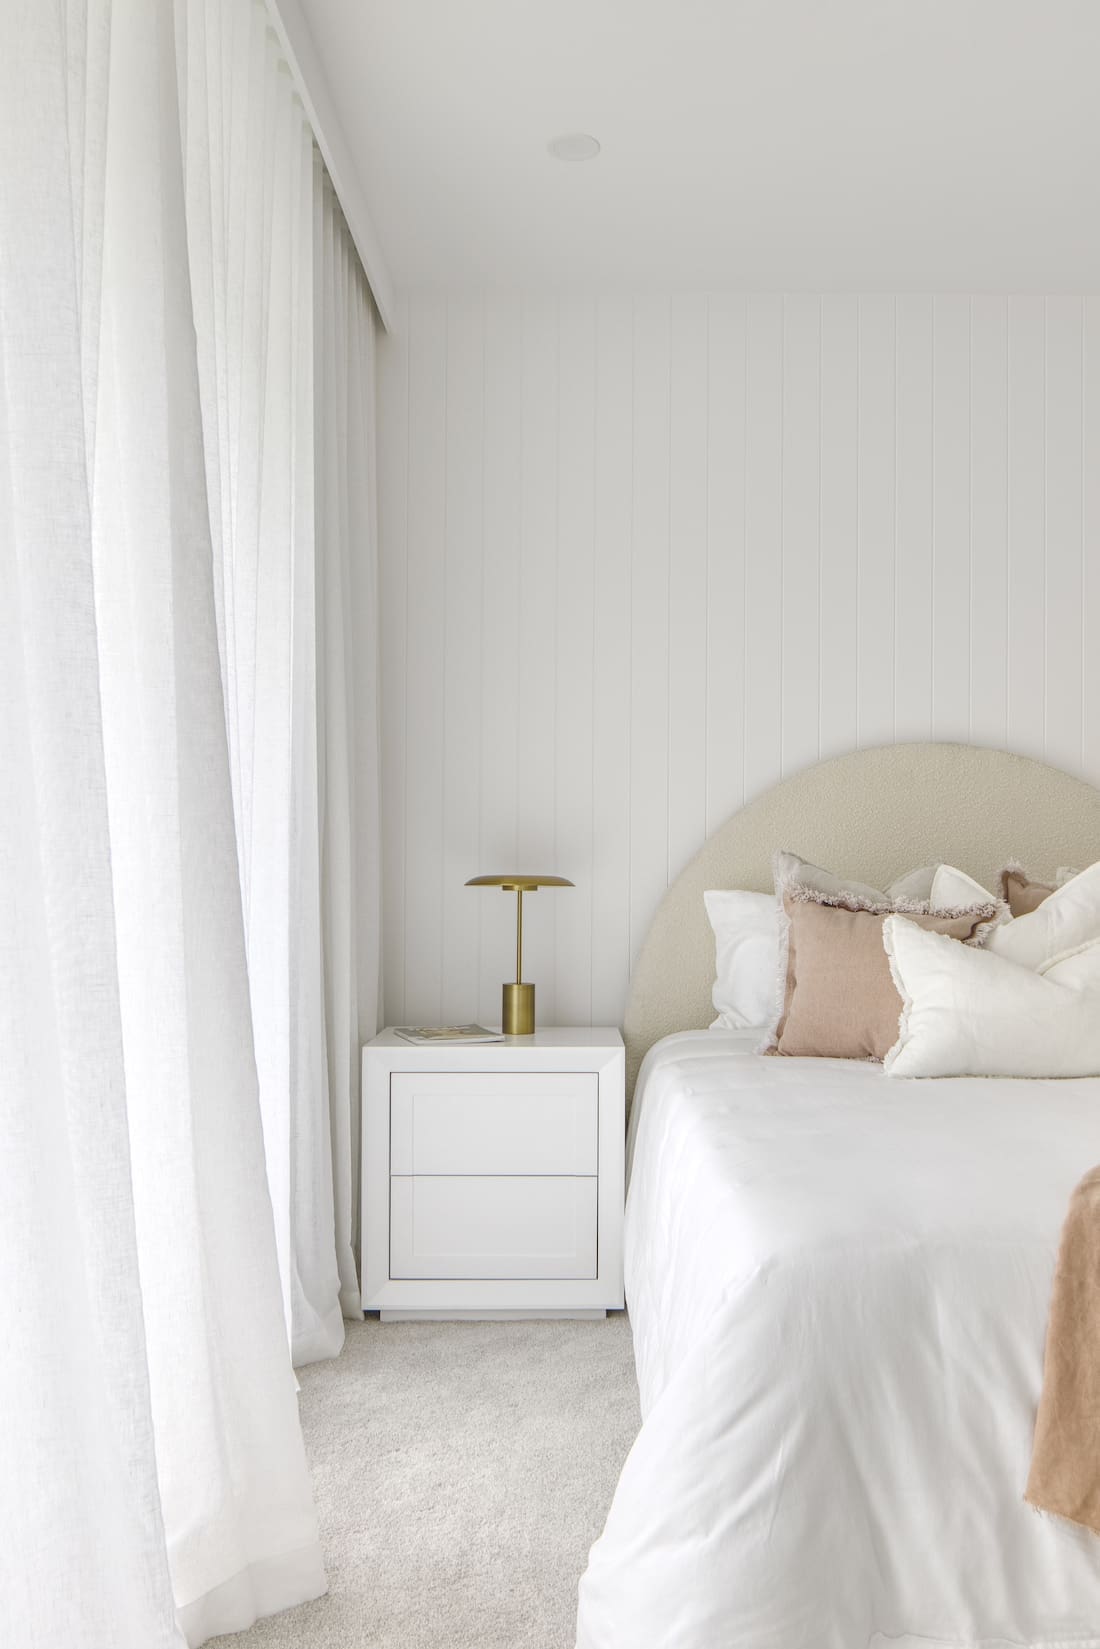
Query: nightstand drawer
(491, 1122)
(485, 1226)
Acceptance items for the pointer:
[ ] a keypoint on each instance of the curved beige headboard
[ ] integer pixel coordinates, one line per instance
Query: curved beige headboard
(871, 815)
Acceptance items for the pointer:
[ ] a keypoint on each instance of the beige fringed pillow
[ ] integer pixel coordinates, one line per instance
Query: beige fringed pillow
(791, 870)
(841, 1001)
(1023, 893)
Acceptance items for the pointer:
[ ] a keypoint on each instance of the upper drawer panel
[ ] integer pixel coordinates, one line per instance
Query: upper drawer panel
(490, 1122)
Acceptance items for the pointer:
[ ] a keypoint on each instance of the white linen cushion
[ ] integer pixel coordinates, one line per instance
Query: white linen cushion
(916, 885)
(1068, 918)
(746, 955)
(968, 1012)
(953, 889)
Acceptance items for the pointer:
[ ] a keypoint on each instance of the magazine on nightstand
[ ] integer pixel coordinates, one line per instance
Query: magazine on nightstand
(447, 1033)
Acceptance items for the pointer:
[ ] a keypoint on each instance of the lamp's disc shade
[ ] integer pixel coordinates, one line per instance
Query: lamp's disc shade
(517, 883)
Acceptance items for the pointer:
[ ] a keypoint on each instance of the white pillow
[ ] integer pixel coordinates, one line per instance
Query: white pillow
(954, 890)
(746, 951)
(969, 1012)
(917, 885)
(1069, 917)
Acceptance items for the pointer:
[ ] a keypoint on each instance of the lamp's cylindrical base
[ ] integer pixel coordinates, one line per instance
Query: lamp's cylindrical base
(518, 1011)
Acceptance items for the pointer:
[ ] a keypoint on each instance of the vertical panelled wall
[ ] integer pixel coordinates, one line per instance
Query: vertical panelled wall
(643, 557)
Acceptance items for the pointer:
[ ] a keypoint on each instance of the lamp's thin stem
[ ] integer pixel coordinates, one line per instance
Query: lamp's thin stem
(519, 936)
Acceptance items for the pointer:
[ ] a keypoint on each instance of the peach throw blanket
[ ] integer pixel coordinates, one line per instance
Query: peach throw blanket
(1065, 1460)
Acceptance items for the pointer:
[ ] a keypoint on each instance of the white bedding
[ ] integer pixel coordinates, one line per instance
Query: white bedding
(838, 1285)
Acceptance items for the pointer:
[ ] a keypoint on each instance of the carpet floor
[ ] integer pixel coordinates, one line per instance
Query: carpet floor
(461, 1473)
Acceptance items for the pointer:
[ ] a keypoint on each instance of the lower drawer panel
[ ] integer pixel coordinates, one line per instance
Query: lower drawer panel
(492, 1226)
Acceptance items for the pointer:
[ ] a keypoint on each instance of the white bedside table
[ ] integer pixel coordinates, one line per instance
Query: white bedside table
(493, 1176)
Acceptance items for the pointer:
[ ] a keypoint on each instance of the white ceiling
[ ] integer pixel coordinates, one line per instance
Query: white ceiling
(747, 143)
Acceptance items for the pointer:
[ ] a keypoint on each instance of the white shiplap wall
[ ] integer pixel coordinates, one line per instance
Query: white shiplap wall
(643, 557)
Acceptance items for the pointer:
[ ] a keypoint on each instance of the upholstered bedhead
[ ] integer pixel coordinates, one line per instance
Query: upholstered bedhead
(871, 815)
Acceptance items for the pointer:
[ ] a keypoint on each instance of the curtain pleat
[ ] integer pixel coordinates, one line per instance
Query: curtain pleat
(348, 696)
(80, 1522)
(285, 339)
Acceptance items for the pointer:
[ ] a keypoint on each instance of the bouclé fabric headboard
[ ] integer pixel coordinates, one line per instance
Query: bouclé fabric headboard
(870, 815)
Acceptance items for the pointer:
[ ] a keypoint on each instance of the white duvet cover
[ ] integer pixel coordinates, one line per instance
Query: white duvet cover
(838, 1285)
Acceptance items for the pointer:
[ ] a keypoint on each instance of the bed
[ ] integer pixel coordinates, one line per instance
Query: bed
(838, 1282)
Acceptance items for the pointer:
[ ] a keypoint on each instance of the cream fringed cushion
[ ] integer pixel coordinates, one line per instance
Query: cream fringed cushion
(968, 1012)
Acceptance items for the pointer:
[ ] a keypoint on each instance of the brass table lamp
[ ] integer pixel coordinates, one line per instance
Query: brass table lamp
(518, 1006)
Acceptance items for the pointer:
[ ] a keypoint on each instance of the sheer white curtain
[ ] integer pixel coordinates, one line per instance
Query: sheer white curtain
(153, 1484)
(347, 696)
(285, 332)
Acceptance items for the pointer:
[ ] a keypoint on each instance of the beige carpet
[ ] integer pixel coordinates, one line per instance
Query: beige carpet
(462, 1471)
